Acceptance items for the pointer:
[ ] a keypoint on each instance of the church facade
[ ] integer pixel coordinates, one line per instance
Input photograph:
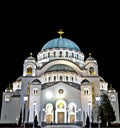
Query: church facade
(58, 86)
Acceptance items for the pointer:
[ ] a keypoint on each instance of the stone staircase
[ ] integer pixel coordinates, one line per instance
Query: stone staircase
(61, 126)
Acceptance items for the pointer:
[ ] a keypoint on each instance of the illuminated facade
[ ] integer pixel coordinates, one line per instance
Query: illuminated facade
(60, 85)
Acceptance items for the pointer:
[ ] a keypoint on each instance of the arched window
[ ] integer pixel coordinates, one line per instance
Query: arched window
(60, 78)
(91, 70)
(86, 91)
(29, 70)
(48, 54)
(54, 78)
(72, 108)
(66, 78)
(49, 108)
(60, 106)
(66, 54)
(7, 98)
(113, 98)
(60, 53)
(54, 54)
(72, 78)
(49, 79)
(35, 91)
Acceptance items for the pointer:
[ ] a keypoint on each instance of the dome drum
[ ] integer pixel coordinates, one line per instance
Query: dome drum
(47, 55)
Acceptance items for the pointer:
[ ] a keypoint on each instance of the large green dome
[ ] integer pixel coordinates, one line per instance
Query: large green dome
(60, 67)
(60, 43)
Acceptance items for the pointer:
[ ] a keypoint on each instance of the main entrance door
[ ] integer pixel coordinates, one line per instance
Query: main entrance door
(60, 117)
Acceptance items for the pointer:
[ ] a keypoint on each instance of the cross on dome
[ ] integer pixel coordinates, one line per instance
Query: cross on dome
(90, 54)
(60, 32)
(31, 54)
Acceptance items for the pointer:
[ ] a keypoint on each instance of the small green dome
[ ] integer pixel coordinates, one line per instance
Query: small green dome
(36, 81)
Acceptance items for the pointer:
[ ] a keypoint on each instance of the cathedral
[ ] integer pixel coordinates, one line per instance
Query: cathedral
(60, 85)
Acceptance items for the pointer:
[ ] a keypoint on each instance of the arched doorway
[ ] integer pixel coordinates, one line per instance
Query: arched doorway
(49, 113)
(71, 113)
(60, 111)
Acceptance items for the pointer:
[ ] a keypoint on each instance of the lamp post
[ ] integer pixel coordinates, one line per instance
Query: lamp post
(89, 103)
(79, 110)
(43, 114)
(98, 100)
(25, 99)
(34, 104)
(67, 115)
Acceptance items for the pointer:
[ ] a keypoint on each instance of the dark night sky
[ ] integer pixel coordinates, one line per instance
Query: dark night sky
(94, 29)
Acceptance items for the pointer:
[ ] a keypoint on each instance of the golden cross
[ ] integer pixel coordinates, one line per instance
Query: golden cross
(60, 32)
